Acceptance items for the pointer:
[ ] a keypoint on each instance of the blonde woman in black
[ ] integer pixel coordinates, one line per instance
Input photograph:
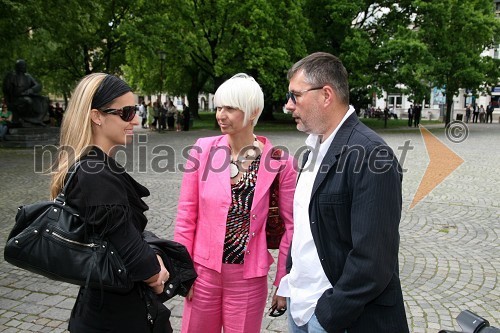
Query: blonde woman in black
(100, 117)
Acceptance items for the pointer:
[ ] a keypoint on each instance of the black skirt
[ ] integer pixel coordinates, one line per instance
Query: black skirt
(96, 312)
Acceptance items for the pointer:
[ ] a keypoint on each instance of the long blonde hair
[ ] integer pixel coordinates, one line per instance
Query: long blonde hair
(76, 130)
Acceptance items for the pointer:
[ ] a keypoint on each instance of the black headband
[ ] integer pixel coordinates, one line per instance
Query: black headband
(110, 88)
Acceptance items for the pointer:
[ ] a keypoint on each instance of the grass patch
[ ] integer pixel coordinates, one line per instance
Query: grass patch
(376, 124)
(206, 121)
(282, 122)
(285, 122)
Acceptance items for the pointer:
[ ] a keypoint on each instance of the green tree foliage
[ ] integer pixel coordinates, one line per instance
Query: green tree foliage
(206, 42)
(14, 32)
(360, 33)
(16, 27)
(407, 46)
(455, 33)
(64, 40)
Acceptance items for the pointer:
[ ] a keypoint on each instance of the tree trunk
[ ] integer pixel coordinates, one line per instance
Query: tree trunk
(269, 108)
(192, 95)
(193, 103)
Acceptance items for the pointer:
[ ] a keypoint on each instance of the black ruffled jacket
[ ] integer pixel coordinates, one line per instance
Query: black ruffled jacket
(110, 202)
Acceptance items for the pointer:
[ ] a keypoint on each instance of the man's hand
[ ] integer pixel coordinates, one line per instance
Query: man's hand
(278, 305)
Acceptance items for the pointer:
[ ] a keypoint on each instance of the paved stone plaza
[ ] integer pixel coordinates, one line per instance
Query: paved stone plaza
(449, 252)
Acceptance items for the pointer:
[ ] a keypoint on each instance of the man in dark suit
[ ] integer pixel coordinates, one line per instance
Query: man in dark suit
(475, 113)
(344, 273)
(410, 115)
(417, 114)
(489, 113)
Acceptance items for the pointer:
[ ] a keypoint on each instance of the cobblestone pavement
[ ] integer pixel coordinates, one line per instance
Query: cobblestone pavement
(449, 253)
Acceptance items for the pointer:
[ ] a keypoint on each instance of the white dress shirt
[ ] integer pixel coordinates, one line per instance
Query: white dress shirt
(306, 281)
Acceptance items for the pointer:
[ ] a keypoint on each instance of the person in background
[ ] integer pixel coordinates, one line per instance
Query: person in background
(162, 117)
(387, 112)
(343, 264)
(178, 120)
(58, 113)
(468, 111)
(475, 113)
(100, 117)
(222, 213)
(410, 115)
(151, 116)
(186, 117)
(154, 112)
(171, 112)
(5, 119)
(482, 114)
(143, 112)
(417, 114)
(489, 112)
(52, 119)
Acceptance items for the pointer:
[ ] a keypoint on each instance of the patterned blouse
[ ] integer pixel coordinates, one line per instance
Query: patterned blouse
(238, 217)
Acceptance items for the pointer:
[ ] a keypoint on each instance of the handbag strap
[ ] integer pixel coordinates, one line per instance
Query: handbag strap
(275, 186)
(61, 198)
(274, 192)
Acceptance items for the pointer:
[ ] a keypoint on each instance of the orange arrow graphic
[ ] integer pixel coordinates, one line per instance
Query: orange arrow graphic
(442, 162)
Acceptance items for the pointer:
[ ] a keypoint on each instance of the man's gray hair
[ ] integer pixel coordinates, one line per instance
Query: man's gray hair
(321, 69)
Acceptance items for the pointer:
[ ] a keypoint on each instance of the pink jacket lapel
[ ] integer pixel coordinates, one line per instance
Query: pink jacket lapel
(268, 169)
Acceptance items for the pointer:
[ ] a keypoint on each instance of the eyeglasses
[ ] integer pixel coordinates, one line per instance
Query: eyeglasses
(294, 94)
(127, 113)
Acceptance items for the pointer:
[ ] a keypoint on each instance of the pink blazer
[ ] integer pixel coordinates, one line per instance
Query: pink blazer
(205, 199)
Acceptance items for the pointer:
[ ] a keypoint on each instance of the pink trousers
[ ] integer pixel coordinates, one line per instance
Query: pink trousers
(225, 300)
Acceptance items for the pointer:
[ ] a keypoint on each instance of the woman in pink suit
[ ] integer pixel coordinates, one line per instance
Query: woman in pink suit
(222, 213)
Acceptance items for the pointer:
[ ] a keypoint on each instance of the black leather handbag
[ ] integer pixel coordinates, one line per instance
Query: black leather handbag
(50, 239)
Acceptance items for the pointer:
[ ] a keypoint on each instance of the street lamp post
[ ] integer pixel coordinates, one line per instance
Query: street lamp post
(162, 56)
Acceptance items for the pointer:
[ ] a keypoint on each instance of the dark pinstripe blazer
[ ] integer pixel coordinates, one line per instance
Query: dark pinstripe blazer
(355, 209)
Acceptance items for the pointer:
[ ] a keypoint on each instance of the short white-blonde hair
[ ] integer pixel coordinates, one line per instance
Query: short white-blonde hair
(241, 92)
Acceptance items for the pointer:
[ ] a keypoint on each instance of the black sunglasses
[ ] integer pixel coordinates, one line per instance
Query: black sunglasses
(127, 113)
(294, 94)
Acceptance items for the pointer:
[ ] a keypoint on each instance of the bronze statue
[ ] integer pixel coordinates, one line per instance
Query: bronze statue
(22, 94)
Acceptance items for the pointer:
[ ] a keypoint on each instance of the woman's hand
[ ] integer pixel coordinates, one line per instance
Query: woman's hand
(189, 296)
(157, 281)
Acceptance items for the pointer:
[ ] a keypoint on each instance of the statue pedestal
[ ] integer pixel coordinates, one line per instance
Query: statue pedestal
(31, 137)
